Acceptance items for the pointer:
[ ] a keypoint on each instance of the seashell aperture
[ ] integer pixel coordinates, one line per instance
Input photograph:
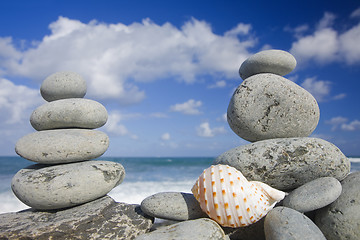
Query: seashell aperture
(230, 199)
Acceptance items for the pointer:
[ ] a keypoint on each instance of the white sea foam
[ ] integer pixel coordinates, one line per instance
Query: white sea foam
(9, 203)
(354, 159)
(135, 192)
(128, 192)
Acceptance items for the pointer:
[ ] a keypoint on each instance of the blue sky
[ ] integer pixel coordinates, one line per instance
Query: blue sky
(166, 70)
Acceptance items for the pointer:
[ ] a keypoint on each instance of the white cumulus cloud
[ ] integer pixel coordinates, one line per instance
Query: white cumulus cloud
(190, 107)
(320, 89)
(204, 130)
(17, 102)
(336, 122)
(352, 126)
(113, 58)
(165, 137)
(114, 126)
(327, 45)
(218, 84)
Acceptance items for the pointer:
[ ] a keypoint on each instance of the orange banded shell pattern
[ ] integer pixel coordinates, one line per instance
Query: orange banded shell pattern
(230, 199)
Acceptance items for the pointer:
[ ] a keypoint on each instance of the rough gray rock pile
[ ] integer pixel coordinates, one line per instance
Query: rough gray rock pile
(278, 116)
(66, 188)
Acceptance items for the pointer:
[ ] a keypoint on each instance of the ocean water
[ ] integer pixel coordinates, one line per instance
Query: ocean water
(144, 177)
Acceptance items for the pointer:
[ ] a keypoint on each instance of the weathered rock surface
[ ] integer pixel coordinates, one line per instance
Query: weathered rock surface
(269, 61)
(267, 106)
(176, 206)
(99, 219)
(287, 163)
(62, 145)
(62, 85)
(283, 223)
(200, 229)
(66, 185)
(341, 219)
(69, 113)
(313, 195)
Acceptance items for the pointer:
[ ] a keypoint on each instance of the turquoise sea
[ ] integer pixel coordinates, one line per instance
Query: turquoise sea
(144, 176)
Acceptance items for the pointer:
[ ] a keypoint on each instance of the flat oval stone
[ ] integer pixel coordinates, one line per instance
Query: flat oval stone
(269, 61)
(313, 195)
(287, 163)
(267, 106)
(199, 229)
(62, 145)
(66, 185)
(173, 206)
(283, 223)
(62, 85)
(341, 219)
(69, 113)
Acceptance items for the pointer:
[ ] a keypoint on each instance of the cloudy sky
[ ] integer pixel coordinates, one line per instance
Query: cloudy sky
(166, 70)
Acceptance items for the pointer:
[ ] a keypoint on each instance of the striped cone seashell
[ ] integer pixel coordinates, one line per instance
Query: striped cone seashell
(230, 199)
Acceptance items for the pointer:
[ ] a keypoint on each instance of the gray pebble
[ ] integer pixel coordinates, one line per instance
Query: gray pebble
(69, 113)
(283, 223)
(199, 229)
(62, 145)
(66, 185)
(62, 85)
(176, 206)
(269, 61)
(313, 195)
(287, 163)
(267, 106)
(341, 219)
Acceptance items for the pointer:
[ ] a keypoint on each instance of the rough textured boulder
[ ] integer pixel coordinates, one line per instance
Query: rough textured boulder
(287, 163)
(101, 219)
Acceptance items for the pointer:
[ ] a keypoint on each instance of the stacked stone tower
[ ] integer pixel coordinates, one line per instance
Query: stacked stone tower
(63, 146)
(278, 115)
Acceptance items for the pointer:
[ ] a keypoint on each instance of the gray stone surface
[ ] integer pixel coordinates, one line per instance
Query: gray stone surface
(60, 186)
(200, 229)
(341, 219)
(62, 85)
(314, 194)
(69, 113)
(284, 223)
(176, 206)
(251, 232)
(269, 61)
(287, 163)
(62, 145)
(267, 106)
(99, 219)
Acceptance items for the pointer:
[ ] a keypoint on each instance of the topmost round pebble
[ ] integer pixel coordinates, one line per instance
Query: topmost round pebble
(274, 61)
(61, 85)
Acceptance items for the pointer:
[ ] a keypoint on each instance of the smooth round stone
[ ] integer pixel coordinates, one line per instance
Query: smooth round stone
(173, 206)
(313, 195)
(199, 229)
(269, 61)
(287, 163)
(62, 145)
(341, 219)
(66, 185)
(284, 223)
(62, 85)
(267, 106)
(69, 113)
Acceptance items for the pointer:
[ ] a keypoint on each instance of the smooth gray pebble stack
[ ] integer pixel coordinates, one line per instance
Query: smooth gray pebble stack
(277, 116)
(64, 142)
